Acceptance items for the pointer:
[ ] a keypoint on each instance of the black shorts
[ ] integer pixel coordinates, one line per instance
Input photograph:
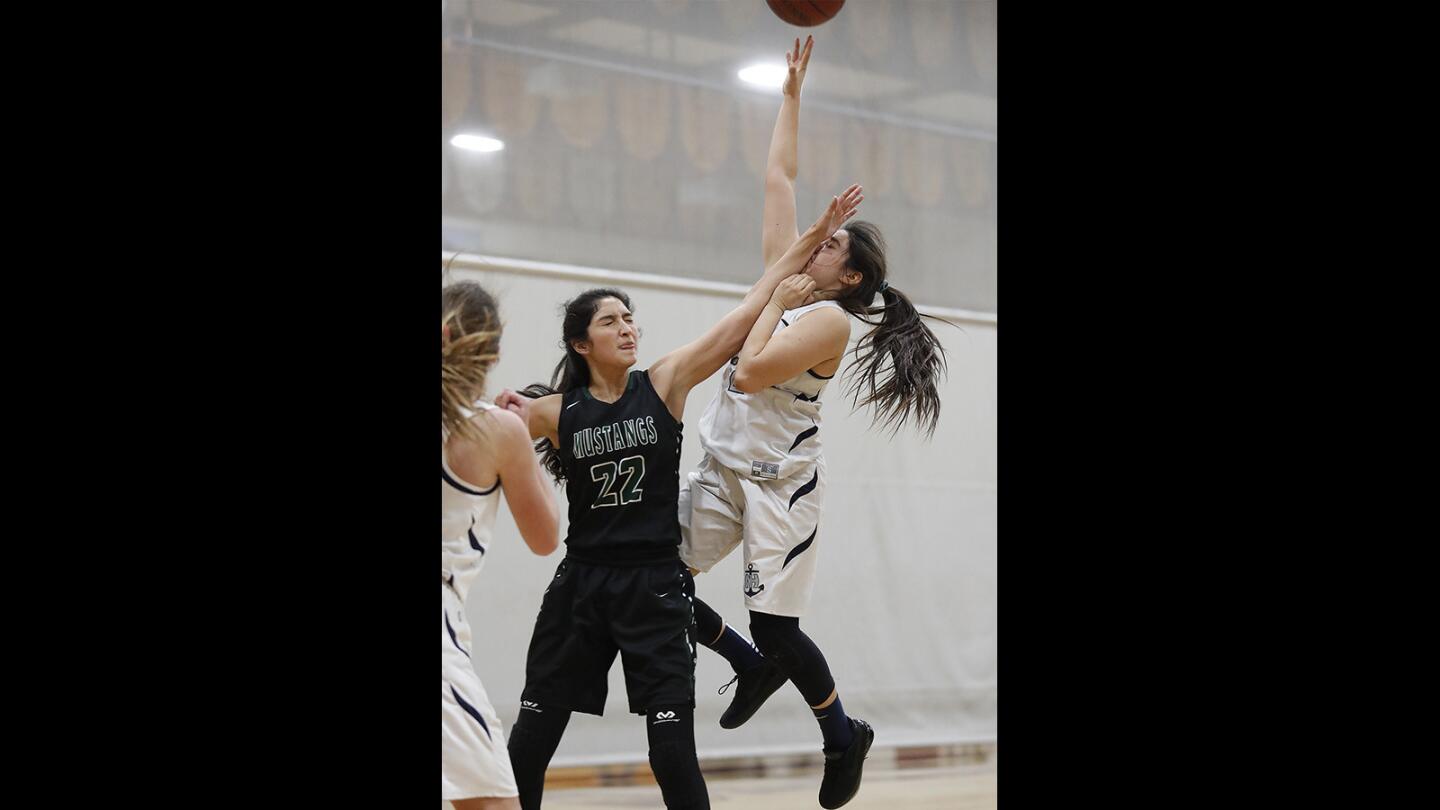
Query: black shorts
(590, 612)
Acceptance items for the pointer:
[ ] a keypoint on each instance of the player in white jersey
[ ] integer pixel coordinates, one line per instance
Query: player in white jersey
(481, 446)
(762, 480)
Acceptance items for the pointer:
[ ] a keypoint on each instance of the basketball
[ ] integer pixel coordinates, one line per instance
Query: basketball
(805, 13)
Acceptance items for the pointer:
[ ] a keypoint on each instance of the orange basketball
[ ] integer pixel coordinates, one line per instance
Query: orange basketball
(805, 13)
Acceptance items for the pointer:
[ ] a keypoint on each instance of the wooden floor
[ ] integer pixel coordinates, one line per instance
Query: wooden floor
(950, 786)
(960, 787)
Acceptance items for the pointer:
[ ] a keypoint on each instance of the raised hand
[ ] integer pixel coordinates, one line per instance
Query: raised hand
(841, 209)
(797, 62)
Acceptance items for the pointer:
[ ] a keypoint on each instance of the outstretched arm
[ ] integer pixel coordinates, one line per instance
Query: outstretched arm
(677, 372)
(778, 226)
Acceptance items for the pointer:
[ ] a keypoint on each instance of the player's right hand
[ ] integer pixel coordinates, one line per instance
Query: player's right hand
(797, 62)
(518, 404)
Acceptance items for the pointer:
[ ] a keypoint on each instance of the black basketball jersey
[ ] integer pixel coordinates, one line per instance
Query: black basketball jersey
(622, 472)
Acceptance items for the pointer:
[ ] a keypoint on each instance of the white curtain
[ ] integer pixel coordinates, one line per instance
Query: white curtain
(904, 607)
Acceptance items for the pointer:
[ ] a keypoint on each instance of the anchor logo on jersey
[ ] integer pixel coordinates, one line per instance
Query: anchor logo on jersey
(752, 581)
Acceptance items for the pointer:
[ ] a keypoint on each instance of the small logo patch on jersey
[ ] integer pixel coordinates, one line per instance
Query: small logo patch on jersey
(752, 581)
(764, 469)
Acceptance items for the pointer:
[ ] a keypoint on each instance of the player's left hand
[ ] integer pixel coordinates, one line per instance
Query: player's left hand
(793, 292)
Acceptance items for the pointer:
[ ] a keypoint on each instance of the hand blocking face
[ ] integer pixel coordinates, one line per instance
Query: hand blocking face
(794, 292)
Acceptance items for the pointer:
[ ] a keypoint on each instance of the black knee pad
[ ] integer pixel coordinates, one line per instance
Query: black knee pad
(538, 730)
(781, 640)
(775, 636)
(671, 732)
(533, 740)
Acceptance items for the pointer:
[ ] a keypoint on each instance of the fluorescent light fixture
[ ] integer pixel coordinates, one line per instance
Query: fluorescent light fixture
(477, 143)
(765, 75)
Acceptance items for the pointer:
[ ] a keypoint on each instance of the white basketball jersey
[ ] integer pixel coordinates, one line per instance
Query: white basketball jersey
(771, 433)
(467, 514)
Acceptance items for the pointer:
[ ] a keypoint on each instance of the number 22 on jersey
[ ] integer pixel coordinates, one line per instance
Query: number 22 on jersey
(608, 472)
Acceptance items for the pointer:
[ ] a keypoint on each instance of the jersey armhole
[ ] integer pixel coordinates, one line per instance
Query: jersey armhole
(827, 305)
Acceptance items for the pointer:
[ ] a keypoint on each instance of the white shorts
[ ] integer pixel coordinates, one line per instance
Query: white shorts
(474, 760)
(778, 520)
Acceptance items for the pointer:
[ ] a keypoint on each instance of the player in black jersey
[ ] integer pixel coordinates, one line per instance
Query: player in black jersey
(613, 436)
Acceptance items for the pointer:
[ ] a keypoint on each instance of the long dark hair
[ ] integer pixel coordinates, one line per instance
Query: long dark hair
(898, 362)
(572, 371)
